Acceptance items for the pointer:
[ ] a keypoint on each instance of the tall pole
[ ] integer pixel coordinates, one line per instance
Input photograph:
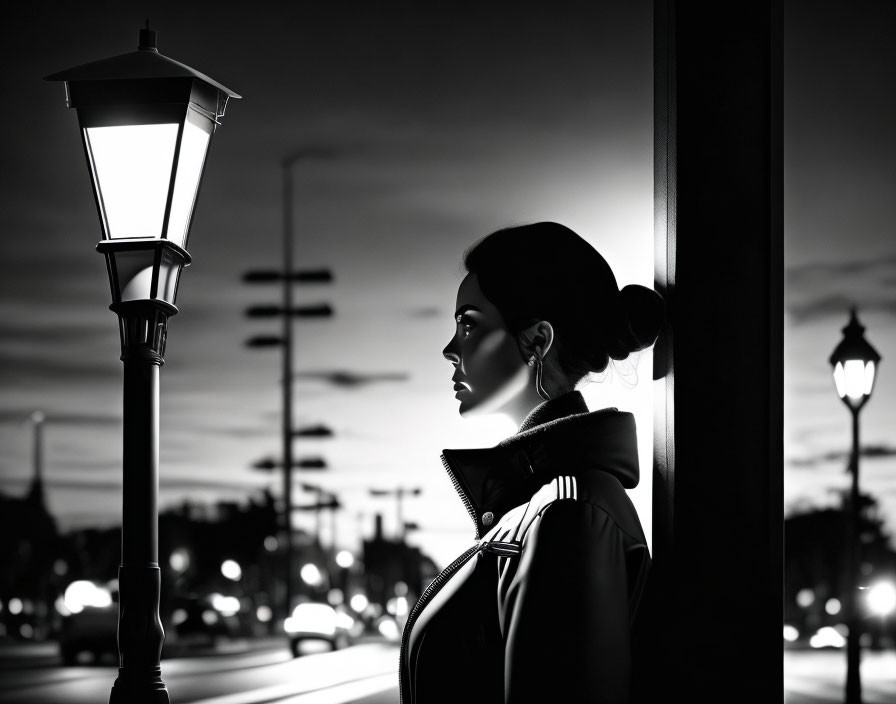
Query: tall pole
(400, 512)
(140, 635)
(38, 419)
(853, 622)
(287, 377)
(37, 482)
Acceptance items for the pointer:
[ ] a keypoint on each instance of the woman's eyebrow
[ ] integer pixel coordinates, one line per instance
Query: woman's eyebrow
(465, 308)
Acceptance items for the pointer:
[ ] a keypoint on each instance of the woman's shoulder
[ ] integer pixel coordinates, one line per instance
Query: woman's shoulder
(570, 503)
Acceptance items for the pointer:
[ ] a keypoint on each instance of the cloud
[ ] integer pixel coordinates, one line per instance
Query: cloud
(241, 432)
(349, 379)
(874, 451)
(165, 484)
(19, 415)
(23, 369)
(426, 312)
(829, 289)
(839, 306)
(815, 271)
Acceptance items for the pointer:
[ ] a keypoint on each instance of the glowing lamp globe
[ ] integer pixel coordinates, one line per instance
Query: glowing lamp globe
(146, 122)
(854, 362)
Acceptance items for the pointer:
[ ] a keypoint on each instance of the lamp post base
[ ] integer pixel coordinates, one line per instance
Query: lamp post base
(140, 638)
(146, 689)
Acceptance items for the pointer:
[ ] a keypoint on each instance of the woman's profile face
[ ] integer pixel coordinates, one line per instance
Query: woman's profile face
(490, 372)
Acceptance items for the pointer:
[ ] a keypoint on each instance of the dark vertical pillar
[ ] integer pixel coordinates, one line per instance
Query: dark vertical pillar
(854, 565)
(718, 484)
(287, 384)
(140, 634)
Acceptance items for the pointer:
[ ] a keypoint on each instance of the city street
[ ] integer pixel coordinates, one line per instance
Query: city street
(365, 673)
(818, 676)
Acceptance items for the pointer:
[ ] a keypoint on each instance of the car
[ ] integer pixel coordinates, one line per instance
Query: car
(90, 622)
(195, 622)
(93, 630)
(318, 622)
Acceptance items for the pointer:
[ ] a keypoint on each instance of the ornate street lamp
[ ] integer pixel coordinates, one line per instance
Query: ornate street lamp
(146, 122)
(855, 362)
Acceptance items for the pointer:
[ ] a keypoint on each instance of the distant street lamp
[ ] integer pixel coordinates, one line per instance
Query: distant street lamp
(146, 122)
(855, 362)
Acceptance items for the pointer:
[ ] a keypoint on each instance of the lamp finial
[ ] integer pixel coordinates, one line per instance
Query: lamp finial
(147, 39)
(854, 327)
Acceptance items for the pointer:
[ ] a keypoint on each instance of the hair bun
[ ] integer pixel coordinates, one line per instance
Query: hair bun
(644, 311)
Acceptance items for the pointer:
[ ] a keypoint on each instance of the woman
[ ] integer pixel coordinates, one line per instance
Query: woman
(541, 607)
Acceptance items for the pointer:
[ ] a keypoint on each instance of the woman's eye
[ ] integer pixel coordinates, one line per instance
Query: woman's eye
(465, 326)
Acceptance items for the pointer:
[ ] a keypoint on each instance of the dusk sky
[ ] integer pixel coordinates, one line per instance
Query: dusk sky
(424, 129)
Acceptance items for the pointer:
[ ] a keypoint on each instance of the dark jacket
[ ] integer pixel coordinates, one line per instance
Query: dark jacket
(541, 607)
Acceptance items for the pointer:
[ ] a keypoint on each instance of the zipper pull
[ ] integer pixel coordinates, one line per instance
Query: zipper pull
(504, 548)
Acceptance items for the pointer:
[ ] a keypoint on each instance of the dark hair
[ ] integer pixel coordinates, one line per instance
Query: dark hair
(545, 271)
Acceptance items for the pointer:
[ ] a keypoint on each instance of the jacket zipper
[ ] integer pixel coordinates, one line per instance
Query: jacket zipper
(463, 494)
(425, 597)
(440, 579)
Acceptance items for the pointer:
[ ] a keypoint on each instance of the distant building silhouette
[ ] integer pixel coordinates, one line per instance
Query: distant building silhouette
(388, 562)
(29, 548)
(815, 567)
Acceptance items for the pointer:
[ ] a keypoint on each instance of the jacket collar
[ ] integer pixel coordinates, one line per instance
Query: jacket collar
(558, 437)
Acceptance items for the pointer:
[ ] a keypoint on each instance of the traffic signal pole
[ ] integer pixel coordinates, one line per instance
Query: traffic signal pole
(286, 382)
(287, 276)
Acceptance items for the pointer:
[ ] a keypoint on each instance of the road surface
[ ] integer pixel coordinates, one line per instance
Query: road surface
(365, 673)
(265, 673)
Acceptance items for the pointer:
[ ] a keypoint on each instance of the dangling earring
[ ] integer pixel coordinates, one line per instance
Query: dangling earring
(531, 361)
(539, 363)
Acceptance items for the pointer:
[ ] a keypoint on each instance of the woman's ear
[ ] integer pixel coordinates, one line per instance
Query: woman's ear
(537, 339)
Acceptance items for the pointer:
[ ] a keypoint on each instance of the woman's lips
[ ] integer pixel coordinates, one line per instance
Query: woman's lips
(461, 386)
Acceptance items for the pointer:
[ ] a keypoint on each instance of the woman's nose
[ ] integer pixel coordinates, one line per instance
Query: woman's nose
(449, 352)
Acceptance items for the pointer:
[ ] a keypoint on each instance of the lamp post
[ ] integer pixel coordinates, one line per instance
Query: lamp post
(146, 122)
(855, 362)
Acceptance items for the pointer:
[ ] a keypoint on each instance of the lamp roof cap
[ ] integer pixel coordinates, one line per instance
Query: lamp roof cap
(854, 345)
(144, 63)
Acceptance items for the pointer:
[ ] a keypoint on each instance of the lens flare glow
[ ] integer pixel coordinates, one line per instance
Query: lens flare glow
(311, 575)
(359, 602)
(83, 593)
(790, 633)
(388, 629)
(345, 559)
(60, 606)
(397, 606)
(231, 569)
(832, 606)
(225, 605)
(881, 598)
(179, 560)
(827, 637)
(312, 618)
(805, 597)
